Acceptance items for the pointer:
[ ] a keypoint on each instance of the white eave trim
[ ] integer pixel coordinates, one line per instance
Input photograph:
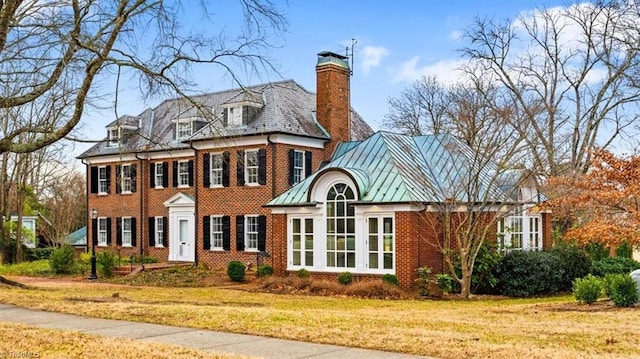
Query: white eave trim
(259, 140)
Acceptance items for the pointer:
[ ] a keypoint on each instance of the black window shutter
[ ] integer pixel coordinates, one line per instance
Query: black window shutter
(240, 233)
(292, 154)
(308, 163)
(118, 231)
(118, 178)
(262, 233)
(245, 115)
(190, 166)
(133, 231)
(175, 173)
(152, 175)
(152, 231)
(108, 170)
(226, 233)
(225, 169)
(206, 231)
(94, 179)
(94, 232)
(165, 174)
(206, 171)
(133, 174)
(262, 166)
(108, 231)
(225, 117)
(165, 231)
(240, 168)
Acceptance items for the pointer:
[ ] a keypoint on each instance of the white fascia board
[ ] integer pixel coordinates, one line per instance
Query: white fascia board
(167, 154)
(299, 211)
(259, 140)
(386, 208)
(111, 158)
(131, 157)
(227, 142)
(298, 140)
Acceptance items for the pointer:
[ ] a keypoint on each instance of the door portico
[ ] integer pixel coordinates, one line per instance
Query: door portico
(181, 227)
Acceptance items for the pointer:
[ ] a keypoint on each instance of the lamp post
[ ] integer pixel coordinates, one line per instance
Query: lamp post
(94, 216)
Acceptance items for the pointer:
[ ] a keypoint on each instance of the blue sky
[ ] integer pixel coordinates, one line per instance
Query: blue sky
(397, 42)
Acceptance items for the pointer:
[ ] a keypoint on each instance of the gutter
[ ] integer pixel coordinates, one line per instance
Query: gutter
(142, 187)
(196, 205)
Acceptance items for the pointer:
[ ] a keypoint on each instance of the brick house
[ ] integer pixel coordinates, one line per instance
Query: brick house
(187, 180)
(276, 169)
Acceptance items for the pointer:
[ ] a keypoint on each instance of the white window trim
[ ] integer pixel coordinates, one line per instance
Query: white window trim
(122, 179)
(303, 233)
(159, 232)
(247, 232)
(114, 141)
(186, 166)
(102, 234)
(157, 184)
(246, 168)
(104, 180)
(234, 116)
(123, 231)
(179, 124)
(212, 232)
(505, 243)
(381, 217)
(212, 169)
(301, 169)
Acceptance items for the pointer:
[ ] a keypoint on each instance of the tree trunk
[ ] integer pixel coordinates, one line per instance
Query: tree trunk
(465, 283)
(12, 283)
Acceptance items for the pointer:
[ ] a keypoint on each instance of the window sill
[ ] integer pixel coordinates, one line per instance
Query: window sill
(184, 186)
(217, 250)
(160, 246)
(216, 186)
(158, 187)
(103, 193)
(126, 193)
(252, 250)
(252, 184)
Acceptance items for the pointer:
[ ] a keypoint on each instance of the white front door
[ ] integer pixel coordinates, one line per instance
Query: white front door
(182, 244)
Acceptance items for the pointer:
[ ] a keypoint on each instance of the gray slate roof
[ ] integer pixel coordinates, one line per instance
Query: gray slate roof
(394, 168)
(288, 108)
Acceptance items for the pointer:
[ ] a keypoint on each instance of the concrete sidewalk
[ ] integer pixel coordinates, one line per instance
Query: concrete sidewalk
(220, 342)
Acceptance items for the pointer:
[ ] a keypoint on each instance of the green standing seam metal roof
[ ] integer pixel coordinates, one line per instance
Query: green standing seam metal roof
(79, 237)
(394, 168)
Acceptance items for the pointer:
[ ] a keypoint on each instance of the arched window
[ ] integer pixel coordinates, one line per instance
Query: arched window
(341, 227)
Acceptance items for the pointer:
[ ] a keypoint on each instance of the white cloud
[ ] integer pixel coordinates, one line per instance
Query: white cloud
(455, 35)
(446, 71)
(372, 57)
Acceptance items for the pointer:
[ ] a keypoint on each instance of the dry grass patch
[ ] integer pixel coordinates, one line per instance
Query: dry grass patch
(532, 328)
(21, 341)
(363, 289)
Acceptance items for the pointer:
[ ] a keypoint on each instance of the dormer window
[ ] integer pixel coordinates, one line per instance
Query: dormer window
(184, 130)
(235, 117)
(114, 137)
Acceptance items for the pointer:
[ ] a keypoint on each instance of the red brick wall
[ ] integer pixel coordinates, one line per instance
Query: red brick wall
(332, 103)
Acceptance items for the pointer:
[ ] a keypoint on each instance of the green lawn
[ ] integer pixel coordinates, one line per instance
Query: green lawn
(533, 328)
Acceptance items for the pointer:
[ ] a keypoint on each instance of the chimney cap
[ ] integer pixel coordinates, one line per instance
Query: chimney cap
(331, 54)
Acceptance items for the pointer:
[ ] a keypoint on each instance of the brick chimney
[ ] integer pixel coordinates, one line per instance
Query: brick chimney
(333, 110)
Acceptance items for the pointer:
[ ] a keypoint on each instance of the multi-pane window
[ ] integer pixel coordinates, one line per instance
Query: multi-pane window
(381, 243)
(114, 137)
(159, 174)
(216, 232)
(183, 130)
(126, 232)
(159, 231)
(520, 232)
(125, 181)
(102, 180)
(251, 167)
(235, 116)
(298, 166)
(302, 242)
(102, 231)
(217, 161)
(183, 173)
(251, 233)
(534, 232)
(341, 233)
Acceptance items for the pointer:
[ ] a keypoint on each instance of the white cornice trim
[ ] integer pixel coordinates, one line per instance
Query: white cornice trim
(141, 155)
(259, 140)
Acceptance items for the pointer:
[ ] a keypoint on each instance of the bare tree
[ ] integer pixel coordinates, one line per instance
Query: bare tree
(57, 50)
(570, 75)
